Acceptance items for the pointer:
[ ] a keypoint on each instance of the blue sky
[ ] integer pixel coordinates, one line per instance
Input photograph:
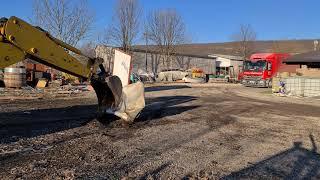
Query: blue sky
(214, 20)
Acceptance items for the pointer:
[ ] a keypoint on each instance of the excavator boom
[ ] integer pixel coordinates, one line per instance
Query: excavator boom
(23, 40)
(20, 40)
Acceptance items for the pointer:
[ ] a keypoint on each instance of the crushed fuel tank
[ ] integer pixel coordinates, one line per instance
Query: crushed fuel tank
(124, 102)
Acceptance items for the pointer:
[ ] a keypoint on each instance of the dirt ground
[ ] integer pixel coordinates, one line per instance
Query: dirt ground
(214, 131)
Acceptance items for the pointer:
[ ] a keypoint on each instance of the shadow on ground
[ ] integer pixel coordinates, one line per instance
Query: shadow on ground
(163, 88)
(165, 106)
(294, 163)
(26, 124)
(2, 83)
(154, 174)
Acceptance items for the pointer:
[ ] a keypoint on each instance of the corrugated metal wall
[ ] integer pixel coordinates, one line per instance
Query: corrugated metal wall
(156, 64)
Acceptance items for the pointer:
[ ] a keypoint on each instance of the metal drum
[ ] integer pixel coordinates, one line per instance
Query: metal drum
(15, 76)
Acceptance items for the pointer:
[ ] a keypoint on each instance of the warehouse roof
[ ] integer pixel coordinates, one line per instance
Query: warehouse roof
(234, 58)
(174, 54)
(309, 57)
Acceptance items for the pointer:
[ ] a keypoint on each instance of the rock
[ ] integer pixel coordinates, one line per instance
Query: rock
(68, 174)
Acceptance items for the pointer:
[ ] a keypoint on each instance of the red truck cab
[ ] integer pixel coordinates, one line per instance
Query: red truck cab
(259, 70)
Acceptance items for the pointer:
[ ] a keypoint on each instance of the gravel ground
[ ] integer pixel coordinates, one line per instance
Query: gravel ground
(186, 131)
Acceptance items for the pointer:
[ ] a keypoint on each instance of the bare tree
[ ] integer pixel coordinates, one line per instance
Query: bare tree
(166, 29)
(245, 39)
(183, 62)
(67, 20)
(124, 31)
(88, 49)
(155, 62)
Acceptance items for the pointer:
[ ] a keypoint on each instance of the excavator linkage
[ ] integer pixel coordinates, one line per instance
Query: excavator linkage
(20, 40)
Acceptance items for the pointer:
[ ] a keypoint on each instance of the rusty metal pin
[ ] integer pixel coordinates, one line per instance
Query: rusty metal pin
(11, 38)
(34, 50)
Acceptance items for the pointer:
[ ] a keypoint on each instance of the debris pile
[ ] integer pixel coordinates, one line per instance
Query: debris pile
(171, 75)
(52, 90)
(8, 93)
(74, 88)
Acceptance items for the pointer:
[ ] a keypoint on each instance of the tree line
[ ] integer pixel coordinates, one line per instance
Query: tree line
(73, 20)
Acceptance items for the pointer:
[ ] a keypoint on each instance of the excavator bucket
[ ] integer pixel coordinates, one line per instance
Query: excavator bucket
(124, 102)
(19, 39)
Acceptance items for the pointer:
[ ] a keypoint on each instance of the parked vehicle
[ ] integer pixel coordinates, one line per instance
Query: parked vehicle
(259, 70)
(226, 75)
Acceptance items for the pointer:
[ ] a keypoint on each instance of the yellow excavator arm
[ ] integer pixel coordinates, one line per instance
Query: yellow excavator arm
(20, 40)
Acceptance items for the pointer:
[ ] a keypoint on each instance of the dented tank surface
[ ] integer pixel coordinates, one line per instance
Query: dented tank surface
(124, 102)
(108, 92)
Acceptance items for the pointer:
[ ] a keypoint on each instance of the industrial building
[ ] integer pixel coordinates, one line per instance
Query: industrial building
(227, 63)
(154, 62)
(151, 61)
(309, 63)
(306, 82)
